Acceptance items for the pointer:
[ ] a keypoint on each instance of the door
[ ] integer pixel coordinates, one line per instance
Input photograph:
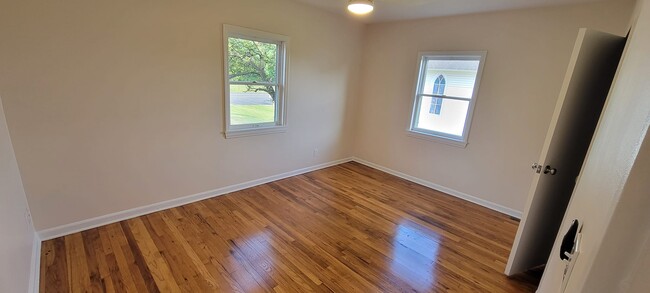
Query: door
(586, 84)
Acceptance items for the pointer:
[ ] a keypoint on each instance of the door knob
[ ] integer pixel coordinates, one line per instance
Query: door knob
(537, 168)
(549, 170)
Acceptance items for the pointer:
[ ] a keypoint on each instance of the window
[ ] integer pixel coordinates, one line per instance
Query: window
(452, 79)
(438, 89)
(255, 81)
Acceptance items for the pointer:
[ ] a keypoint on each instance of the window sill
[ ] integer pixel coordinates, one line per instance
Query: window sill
(438, 139)
(254, 131)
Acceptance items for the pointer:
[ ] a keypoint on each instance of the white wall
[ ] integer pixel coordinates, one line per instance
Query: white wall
(528, 53)
(16, 231)
(114, 105)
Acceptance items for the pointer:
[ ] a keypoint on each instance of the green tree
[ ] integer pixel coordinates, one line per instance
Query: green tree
(253, 62)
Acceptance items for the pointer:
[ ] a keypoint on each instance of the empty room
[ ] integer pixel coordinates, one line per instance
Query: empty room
(325, 146)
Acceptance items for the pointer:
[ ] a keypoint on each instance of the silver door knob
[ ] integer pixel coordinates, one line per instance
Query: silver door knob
(537, 168)
(549, 170)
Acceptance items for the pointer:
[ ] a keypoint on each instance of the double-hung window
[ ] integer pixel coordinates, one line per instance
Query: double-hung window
(255, 81)
(445, 94)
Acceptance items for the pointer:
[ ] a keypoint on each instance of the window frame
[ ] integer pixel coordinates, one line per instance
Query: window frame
(420, 76)
(282, 65)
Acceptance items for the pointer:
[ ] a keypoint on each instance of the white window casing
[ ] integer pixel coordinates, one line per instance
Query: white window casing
(462, 80)
(282, 61)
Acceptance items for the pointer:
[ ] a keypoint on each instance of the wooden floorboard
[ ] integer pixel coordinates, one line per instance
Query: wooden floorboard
(347, 228)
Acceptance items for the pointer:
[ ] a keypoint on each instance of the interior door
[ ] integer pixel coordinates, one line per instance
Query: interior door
(586, 84)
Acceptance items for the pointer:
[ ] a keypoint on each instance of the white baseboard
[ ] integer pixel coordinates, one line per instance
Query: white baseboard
(35, 270)
(75, 227)
(488, 204)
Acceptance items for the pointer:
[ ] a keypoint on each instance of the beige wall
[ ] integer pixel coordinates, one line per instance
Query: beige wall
(16, 231)
(114, 105)
(528, 53)
(638, 280)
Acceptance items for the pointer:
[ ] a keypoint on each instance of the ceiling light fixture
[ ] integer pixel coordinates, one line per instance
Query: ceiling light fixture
(361, 6)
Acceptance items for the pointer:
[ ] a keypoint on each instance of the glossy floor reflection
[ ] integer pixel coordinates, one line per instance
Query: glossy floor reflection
(415, 256)
(348, 228)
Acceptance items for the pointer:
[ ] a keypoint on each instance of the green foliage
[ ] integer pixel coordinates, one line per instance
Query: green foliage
(253, 61)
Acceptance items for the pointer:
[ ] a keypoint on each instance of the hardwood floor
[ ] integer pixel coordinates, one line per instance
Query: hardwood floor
(347, 228)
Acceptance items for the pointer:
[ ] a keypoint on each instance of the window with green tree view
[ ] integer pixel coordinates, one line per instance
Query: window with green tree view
(255, 89)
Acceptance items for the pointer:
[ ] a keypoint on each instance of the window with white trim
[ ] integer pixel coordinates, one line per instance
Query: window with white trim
(452, 79)
(255, 64)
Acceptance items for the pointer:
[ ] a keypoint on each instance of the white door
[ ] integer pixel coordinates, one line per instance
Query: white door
(586, 84)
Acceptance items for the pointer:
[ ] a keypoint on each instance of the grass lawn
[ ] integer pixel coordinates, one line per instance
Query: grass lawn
(248, 114)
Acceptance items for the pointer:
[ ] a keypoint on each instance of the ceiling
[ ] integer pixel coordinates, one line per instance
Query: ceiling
(387, 10)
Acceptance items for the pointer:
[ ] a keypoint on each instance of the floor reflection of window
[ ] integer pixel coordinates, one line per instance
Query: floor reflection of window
(256, 250)
(414, 256)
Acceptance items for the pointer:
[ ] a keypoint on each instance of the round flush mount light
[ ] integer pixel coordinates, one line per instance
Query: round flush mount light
(361, 6)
